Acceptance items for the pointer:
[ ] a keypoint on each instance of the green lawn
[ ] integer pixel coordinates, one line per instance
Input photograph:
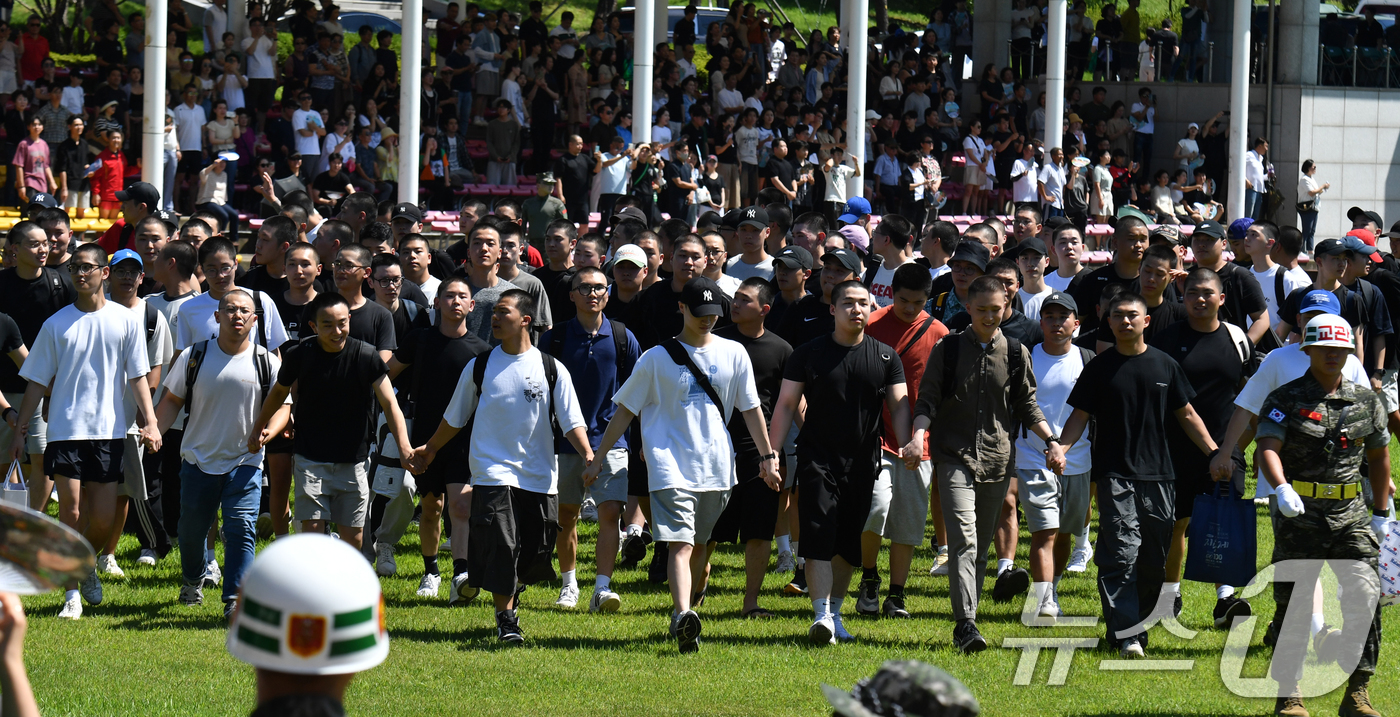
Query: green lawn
(142, 653)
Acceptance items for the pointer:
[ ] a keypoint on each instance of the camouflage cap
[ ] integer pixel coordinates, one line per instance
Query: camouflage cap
(907, 688)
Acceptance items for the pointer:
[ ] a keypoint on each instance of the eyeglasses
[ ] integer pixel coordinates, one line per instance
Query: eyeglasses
(591, 289)
(238, 311)
(126, 273)
(713, 252)
(345, 266)
(390, 283)
(219, 270)
(82, 269)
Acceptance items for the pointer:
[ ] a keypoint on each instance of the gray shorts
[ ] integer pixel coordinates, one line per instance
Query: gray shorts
(338, 492)
(611, 483)
(37, 438)
(899, 503)
(133, 472)
(682, 516)
(1390, 393)
(1053, 501)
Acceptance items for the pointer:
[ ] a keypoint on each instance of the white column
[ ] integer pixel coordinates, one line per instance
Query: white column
(643, 62)
(237, 23)
(857, 40)
(410, 84)
(660, 24)
(153, 105)
(1055, 75)
(1239, 106)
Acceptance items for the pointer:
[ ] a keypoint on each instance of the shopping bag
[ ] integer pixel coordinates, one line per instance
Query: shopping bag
(1221, 542)
(1390, 564)
(14, 490)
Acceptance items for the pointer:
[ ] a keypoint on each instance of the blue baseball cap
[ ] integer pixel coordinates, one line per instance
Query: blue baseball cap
(1238, 228)
(1320, 300)
(858, 206)
(124, 254)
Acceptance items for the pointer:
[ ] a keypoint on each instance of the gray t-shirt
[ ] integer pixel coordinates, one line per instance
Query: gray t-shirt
(479, 320)
(535, 288)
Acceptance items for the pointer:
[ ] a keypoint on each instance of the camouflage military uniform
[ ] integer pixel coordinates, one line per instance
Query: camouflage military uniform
(1306, 419)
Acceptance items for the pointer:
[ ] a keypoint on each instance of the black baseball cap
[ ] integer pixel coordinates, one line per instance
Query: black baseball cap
(973, 252)
(753, 217)
(170, 219)
(628, 213)
(141, 193)
(1210, 228)
(43, 200)
(1060, 298)
(794, 257)
(1330, 247)
(407, 210)
(846, 258)
(703, 297)
(1357, 212)
(1031, 244)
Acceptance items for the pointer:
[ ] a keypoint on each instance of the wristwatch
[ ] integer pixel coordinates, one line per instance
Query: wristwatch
(773, 455)
(1052, 439)
(1380, 513)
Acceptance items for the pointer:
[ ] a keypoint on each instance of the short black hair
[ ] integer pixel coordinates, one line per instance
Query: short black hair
(1290, 241)
(1202, 274)
(97, 254)
(216, 245)
(283, 229)
(377, 233)
(382, 260)
(1161, 252)
(569, 228)
(764, 289)
(899, 230)
(523, 302)
(985, 284)
(1267, 228)
(325, 301)
(914, 277)
(1126, 297)
(51, 217)
(186, 258)
(845, 287)
(945, 233)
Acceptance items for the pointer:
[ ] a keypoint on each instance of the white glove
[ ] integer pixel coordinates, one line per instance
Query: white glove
(1288, 501)
(1379, 526)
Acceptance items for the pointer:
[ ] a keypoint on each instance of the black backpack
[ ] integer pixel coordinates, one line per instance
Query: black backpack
(194, 360)
(551, 375)
(151, 321)
(1017, 367)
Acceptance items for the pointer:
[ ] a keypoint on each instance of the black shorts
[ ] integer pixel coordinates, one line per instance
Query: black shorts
(1192, 470)
(833, 508)
(513, 532)
(191, 162)
(279, 445)
(636, 474)
(752, 512)
(260, 94)
(98, 461)
(443, 471)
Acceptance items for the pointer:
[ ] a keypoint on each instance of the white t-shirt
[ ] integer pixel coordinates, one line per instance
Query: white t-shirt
(227, 402)
(159, 350)
(89, 357)
(516, 446)
(305, 119)
(1057, 282)
(1148, 127)
(1053, 177)
(741, 270)
(747, 139)
(1293, 279)
(170, 309)
(196, 322)
(728, 284)
(660, 135)
(430, 288)
(882, 288)
(612, 178)
(1054, 379)
(189, 126)
(836, 182)
(939, 271)
(1030, 303)
(1026, 188)
(261, 58)
(686, 442)
(1283, 365)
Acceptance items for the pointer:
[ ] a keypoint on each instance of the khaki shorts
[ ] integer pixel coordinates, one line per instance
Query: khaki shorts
(133, 483)
(682, 516)
(611, 483)
(899, 504)
(337, 492)
(37, 438)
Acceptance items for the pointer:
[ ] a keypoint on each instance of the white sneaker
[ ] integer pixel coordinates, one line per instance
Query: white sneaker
(1079, 561)
(429, 585)
(107, 565)
(191, 594)
(785, 562)
(940, 562)
(148, 557)
(212, 575)
(1132, 650)
(479, 121)
(91, 588)
(840, 629)
(1049, 607)
(604, 600)
(385, 565)
(72, 609)
(568, 596)
(461, 591)
(822, 631)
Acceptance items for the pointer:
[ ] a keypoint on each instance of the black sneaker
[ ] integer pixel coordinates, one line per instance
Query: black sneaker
(1176, 606)
(1271, 634)
(634, 548)
(894, 607)
(508, 628)
(660, 556)
(967, 639)
(688, 632)
(868, 599)
(1227, 609)
(698, 599)
(798, 585)
(1012, 582)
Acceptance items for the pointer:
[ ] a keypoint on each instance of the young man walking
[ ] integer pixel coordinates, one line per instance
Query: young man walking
(530, 401)
(684, 410)
(221, 459)
(196, 320)
(599, 354)
(846, 378)
(93, 353)
(978, 386)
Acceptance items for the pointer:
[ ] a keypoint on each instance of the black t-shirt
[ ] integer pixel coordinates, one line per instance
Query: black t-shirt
(374, 325)
(1389, 284)
(661, 312)
(1379, 329)
(780, 170)
(258, 279)
(403, 324)
(1132, 399)
(1242, 295)
(557, 285)
(673, 198)
(1214, 369)
(768, 354)
(327, 182)
(1161, 316)
(845, 390)
(777, 313)
(807, 320)
(298, 327)
(714, 185)
(10, 340)
(629, 313)
(335, 398)
(1086, 294)
(30, 302)
(575, 175)
(435, 365)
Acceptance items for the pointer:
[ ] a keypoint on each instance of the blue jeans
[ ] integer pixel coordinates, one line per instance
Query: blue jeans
(1253, 203)
(1309, 228)
(1142, 153)
(201, 496)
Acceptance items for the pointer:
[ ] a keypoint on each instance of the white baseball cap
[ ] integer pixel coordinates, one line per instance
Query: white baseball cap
(1328, 330)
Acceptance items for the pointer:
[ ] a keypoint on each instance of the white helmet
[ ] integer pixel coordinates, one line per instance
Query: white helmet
(310, 605)
(1328, 330)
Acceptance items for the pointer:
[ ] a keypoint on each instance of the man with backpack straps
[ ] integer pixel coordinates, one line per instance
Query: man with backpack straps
(222, 383)
(528, 404)
(599, 354)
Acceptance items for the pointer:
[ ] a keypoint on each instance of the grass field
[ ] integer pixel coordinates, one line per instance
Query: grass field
(143, 653)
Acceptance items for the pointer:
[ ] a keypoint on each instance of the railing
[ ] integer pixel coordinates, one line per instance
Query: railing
(1358, 66)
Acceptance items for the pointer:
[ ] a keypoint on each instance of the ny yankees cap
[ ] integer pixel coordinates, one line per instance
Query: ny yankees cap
(756, 217)
(703, 297)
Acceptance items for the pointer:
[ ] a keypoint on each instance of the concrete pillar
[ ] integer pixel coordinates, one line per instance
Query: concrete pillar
(1297, 42)
(659, 25)
(410, 87)
(237, 23)
(1239, 105)
(1055, 74)
(858, 44)
(643, 64)
(991, 30)
(153, 104)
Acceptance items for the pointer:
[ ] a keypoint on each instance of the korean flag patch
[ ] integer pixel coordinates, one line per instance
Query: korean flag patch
(1276, 416)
